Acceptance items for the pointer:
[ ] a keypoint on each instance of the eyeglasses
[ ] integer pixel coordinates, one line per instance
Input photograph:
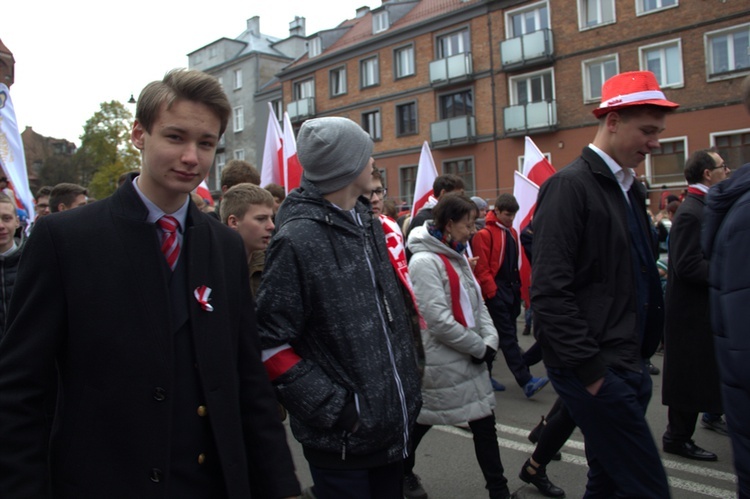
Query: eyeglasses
(723, 165)
(380, 192)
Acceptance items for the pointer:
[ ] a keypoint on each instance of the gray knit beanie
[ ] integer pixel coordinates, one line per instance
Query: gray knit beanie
(333, 151)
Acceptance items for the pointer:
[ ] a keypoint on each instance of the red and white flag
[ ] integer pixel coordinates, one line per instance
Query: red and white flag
(205, 194)
(273, 154)
(426, 175)
(536, 167)
(292, 166)
(12, 159)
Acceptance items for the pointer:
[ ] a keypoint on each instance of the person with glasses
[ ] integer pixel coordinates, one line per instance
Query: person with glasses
(691, 374)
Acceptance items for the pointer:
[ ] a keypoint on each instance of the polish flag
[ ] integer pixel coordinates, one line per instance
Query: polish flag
(426, 175)
(535, 165)
(292, 167)
(536, 169)
(273, 154)
(203, 191)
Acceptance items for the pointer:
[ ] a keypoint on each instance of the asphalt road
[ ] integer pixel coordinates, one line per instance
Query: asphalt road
(448, 468)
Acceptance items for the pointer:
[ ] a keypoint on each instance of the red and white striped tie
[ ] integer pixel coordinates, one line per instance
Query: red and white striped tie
(170, 246)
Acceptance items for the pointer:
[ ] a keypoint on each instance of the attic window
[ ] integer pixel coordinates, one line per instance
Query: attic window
(380, 22)
(315, 47)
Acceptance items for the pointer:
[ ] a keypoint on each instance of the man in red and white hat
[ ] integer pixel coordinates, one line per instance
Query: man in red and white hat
(596, 296)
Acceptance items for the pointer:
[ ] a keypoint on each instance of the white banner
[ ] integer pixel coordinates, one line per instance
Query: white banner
(12, 157)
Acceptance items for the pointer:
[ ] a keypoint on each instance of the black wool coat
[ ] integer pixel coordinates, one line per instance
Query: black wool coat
(90, 309)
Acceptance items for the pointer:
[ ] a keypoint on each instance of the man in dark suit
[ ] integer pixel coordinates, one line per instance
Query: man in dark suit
(138, 307)
(596, 296)
(691, 375)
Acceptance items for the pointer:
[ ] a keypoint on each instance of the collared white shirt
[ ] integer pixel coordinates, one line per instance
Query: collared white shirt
(155, 213)
(624, 176)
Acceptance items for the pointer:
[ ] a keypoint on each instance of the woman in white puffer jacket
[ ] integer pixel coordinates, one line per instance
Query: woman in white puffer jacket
(459, 341)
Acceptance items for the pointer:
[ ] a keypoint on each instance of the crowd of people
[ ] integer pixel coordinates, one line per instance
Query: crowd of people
(151, 346)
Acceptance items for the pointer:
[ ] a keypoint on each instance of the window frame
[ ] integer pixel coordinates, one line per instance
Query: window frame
(731, 163)
(640, 10)
(441, 96)
(396, 61)
(314, 47)
(729, 73)
(643, 50)
(400, 105)
(237, 79)
(298, 85)
(404, 193)
(583, 26)
(380, 22)
(513, 94)
(469, 190)
(342, 71)
(363, 64)
(439, 52)
(649, 167)
(535, 7)
(378, 123)
(238, 119)
(239, 154)
(585, 69)
(220, 162)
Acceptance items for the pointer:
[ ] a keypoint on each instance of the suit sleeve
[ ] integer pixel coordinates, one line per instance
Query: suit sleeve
(304, 388)
(481, 247)
(559, 223)
(28, 376)
(685, 254)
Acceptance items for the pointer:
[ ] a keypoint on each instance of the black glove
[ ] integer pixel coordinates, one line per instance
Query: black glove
(489, 356)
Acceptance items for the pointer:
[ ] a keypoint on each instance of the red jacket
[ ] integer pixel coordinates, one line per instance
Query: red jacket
(489, 245)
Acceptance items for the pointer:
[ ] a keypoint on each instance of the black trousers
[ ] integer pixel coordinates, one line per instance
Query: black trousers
(384, 482)
(680, 426)
(504, 318)
(556, 432)
(623, 458)
(486, 449)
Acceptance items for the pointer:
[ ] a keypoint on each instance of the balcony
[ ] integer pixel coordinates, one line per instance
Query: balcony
(530, 118)
(445, 133)
(453, 69)
(527, 50)
(300, 110)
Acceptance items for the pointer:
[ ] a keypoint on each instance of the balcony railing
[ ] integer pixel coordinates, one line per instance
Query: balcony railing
(301, 109)
(458, 130)
(527, 50)
(451, 69)
(529, 118)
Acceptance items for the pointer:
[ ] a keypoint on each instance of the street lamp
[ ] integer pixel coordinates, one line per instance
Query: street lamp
(132, 99)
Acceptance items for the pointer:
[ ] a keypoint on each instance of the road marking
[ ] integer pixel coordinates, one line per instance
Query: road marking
(676, 483)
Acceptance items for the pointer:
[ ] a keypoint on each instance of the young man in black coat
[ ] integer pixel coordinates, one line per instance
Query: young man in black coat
(138, 308)
(596, 296)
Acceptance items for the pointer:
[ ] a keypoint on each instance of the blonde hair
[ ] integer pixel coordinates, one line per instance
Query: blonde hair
(238, 199)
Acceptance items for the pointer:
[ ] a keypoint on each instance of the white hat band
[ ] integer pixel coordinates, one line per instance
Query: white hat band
(634, 97)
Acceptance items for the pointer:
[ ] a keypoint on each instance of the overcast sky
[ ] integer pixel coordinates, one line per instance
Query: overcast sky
(72, 55)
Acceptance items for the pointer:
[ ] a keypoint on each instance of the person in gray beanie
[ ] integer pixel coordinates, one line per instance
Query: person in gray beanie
(333, 323)
(481, 205)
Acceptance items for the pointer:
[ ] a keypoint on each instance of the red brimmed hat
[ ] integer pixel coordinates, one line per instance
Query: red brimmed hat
(634, 88)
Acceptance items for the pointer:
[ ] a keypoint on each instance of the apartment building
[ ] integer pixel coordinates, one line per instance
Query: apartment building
(473, 77)
(243, 65)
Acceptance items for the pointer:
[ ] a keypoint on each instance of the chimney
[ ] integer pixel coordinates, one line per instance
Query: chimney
(253, 25)
(297, 27)
(362, 11)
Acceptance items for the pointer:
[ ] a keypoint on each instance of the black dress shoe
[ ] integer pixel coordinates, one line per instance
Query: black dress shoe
(540, 480)
(689, 450)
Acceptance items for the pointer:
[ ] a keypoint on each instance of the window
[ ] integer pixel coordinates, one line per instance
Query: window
(407, 177)
(538, 87)
(406, 119)
(239, 154)
(733, 147)
(221, 160)
(304, 89)
(649, 6)
(595, 73)
(212, 52)
(665, 61)
(404, 61)
(222, 140)
(221, 81)
(666, 165)
(278, 108)
(464, 168)
(337, 78)
(380, 21)
(728, 50)
(368, 72)
(593, 13)
(237, 79)
(527, 19)
(315, 47)
(239, 119)
(371, 124)
(456, 104)
(453, 43)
